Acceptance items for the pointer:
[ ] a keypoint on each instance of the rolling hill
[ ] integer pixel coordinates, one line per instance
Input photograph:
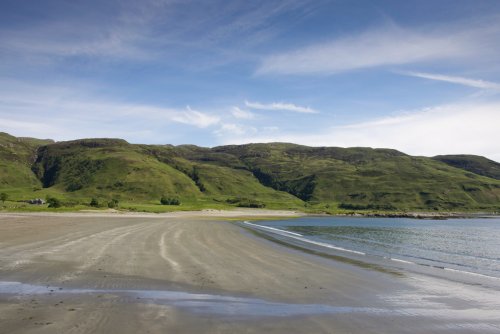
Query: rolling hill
(275, 175)
(472, 163)
(17, 155)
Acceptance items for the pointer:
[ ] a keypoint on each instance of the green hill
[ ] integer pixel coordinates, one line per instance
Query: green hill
(16, 158)
(276, 175)
(365, 178)
(472, 163)
(109, 168)
(113, 168)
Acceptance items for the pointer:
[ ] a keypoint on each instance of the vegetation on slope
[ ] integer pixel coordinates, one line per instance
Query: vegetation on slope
(276, 175)
(16, 158)
(365, 178)
(472, 163)
(109, 168)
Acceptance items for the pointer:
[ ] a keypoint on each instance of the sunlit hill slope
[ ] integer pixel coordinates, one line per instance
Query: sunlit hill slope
(275, 175)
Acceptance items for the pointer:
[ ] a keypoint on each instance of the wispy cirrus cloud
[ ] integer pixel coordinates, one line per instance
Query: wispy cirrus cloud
(194, 117)
(31, 128)
(61, 113)
(118, 33)
(482, 84)
(280, 106)
(242, 114)
(390, 45)
(151, 30)
(232, 129)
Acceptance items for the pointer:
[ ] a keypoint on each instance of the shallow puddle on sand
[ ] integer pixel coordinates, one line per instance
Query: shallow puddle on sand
(203, 303)
(437, 315)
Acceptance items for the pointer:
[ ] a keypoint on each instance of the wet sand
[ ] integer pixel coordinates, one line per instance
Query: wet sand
(193, 272)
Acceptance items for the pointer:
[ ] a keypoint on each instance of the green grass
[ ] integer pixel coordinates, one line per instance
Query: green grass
(472, 163)
(366, 178)
(276, 176)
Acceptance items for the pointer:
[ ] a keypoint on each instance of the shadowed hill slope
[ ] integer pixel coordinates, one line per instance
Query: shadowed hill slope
(16, 157)
(472, 163)
(109, 167)
(365, 178)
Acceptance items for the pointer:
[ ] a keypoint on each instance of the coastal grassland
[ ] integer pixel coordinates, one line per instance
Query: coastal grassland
(275, 175)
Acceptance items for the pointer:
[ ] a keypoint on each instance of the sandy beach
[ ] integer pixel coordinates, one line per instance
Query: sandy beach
(192, 272)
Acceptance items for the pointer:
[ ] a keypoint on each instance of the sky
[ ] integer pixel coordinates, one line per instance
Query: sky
(419, 76)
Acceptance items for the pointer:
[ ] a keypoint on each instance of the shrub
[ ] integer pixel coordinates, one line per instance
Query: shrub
(3, 197)
(53, 202)
(251, 204)
(74, 186)
(351, 206)
(169, 201)
(233, 200)
(94, 202)
(113, 203)
(245, 202)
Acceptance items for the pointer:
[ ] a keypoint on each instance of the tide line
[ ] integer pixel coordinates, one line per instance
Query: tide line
(470, 273)
(300, 237)
(273, 229)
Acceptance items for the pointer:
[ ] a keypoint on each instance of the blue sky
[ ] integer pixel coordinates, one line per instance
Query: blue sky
(419, 76)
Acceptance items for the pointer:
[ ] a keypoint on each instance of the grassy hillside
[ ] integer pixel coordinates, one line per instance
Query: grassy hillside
(221, 177)
(276, 175)
(109, 168)
(472, 163)
(365, 178)
(16, 157)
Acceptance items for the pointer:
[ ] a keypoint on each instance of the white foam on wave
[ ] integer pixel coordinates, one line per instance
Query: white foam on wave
(273, 229)
(447, 269)
(300, 237)
(331, 246)
(471, 273)
(402, 261)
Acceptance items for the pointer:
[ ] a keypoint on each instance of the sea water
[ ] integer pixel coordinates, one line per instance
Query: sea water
(469, 245)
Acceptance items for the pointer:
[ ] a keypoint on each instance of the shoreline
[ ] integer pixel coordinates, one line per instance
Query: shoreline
(424, 215)
(205, 213)
(252, 213)
(392, 265)
(188, 274)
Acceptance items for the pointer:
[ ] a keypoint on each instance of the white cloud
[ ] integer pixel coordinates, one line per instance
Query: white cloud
(456, 80)
(27, 128)
(242, 114)
(270, 128)
(64, 113)
(280, 106)
(448, 129)
(233, 130)
(195, 118)
(378, 47)
(54, 40)
(151, 30)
